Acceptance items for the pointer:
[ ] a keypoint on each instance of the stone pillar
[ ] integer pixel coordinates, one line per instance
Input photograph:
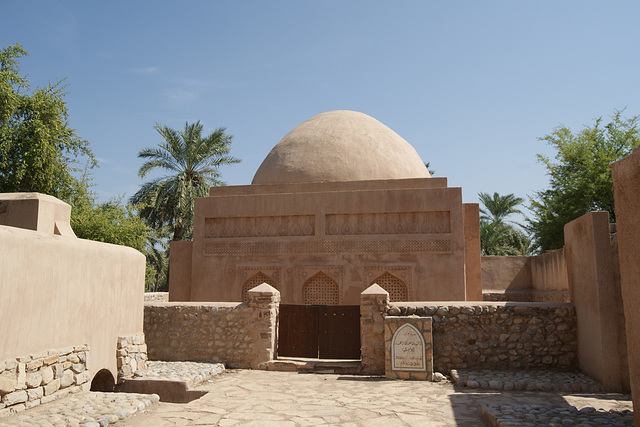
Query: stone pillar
(472, 252)
(626, 182)
(595, 292)
(374, 302)
(264, 300)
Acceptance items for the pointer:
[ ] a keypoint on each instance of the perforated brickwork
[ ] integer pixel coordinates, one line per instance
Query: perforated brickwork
(255, 280)
(397, 288)
(321, 290)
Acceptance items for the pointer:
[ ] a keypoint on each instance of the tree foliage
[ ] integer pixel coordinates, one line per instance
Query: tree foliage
(37, 146)
(157, 252)
(39, 152)
(580, 178)
(109, 222)
(192, 163)
(498, 236)
(497, 208)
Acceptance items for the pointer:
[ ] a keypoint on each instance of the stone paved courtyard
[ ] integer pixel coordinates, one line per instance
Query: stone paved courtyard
(265, 398)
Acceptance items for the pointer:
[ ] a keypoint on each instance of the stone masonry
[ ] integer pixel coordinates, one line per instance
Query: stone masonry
(373, 306)
(240, 335)
(499, 335)
(42, 377)
(132, 355)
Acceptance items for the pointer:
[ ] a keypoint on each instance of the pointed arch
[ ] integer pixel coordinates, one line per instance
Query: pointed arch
(257, 279)
(397, 289)
(320, 289)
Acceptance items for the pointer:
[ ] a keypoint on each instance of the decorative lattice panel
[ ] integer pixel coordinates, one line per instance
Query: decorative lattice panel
(396, 287)
(255, 280)
(321, 290)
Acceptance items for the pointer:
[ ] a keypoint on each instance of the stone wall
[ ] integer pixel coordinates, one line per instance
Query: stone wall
(373, 306)
(37, 378)
(499, 335)
(132, 356)
(240, 335)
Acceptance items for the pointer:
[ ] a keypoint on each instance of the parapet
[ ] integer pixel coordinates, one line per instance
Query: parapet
(35, 211)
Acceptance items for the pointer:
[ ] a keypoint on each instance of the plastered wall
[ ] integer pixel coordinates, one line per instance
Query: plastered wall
(60, 291)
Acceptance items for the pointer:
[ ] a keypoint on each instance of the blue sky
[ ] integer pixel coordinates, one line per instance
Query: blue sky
(471, 85)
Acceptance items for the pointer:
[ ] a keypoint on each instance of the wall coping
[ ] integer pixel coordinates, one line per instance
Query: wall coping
(480, 304)
(194, 304)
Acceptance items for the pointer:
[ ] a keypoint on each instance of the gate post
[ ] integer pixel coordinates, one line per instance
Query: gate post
(374, 302)
(265, 302)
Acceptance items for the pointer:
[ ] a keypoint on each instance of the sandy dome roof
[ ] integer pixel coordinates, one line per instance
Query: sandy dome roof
(340, 146)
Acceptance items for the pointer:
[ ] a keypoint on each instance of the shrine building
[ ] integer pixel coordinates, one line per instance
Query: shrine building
(340, 203)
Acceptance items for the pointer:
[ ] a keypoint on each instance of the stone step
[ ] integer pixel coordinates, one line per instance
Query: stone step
(319, 366)
(485, 379)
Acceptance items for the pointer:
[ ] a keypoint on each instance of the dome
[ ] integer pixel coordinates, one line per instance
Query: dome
(340, 146)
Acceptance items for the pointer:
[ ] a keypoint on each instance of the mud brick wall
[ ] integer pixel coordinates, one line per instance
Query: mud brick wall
(33, 379)
(499, 335)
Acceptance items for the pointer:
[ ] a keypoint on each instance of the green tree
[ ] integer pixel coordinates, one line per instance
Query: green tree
(157, 252)
(39, 152)
(579, 178)
(192, 162)
(498, 236)
(497, 208)
(37, 146)
(109, 222)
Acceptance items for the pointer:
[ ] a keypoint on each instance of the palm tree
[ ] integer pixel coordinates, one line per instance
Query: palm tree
(192, 163)
(496, 208)
(497, 235)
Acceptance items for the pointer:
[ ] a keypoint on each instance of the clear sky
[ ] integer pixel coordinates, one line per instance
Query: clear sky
(470, 84)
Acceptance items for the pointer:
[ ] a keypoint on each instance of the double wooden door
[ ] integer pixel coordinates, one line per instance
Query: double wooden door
(325, 332)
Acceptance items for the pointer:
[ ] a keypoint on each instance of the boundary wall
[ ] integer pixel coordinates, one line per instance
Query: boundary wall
(539, 278)
(465, 335)
(489, 335)
(626, 182)
(240, 335)
(62, 300)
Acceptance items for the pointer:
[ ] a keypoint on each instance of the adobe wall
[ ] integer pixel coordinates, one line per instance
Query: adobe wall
(352, 232)
(539, 278)
(240, 335)
(549, 272)
(626, 182)
(60, 292)
(598, 300)
(180, 261)
(472, 252)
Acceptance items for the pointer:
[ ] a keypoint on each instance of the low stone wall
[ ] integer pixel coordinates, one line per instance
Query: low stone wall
(499, 335)
(38, 378)
(156, 297)
(240, 335)
(132, 356)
